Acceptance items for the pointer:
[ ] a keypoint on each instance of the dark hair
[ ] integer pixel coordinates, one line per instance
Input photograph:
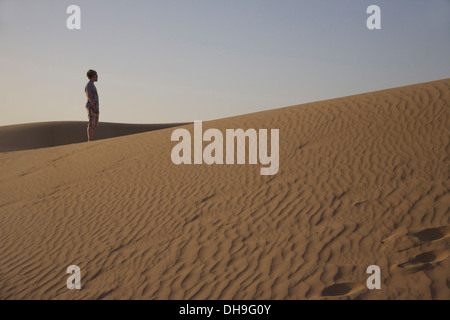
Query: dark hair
(91, 73)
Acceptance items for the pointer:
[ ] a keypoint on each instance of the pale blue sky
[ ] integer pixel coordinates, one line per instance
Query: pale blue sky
(184, 60)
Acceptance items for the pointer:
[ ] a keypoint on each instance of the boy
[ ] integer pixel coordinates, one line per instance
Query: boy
(92, 105)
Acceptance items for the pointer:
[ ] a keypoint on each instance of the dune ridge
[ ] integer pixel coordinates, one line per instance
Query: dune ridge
(50, 134)
(363, 180)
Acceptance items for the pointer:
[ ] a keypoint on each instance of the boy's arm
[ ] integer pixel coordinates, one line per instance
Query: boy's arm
(91, 101)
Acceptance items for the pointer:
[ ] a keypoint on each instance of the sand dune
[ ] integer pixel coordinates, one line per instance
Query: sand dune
(363, 180)
(51, 134)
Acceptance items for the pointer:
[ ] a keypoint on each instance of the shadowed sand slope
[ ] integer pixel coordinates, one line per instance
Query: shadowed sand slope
(50, 134)
(363, 180)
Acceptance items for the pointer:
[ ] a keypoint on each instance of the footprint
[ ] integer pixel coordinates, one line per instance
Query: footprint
(432, 234)
(404, 239)
(341, 289)
(423, 260)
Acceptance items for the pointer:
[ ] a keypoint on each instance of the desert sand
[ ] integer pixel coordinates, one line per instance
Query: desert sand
(363, 180)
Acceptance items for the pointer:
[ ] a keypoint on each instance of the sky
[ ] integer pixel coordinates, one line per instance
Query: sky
(184, 60)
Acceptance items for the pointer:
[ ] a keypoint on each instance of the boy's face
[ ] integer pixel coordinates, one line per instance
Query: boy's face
(94, 78)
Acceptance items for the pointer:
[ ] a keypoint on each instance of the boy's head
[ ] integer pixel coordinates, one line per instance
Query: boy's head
(92, 75)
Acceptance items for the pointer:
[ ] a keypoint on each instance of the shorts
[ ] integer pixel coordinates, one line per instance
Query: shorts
(93, 118)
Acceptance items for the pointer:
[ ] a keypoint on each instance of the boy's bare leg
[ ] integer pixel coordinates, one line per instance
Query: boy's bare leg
(90, 133)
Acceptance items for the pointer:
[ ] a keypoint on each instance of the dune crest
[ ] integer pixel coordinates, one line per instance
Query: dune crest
(362, 180)
(50, 134)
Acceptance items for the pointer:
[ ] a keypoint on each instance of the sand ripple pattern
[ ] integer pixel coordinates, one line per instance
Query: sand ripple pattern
(363, 180)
